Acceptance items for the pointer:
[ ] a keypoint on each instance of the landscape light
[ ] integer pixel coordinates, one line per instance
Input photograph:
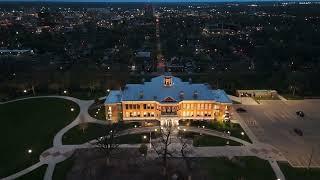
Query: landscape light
(135, 126)
(29, 151)
(25, 91)
(228, 132)
(65, 92)
(155, 129)
(242, 133)
(144, 137)
(72, 109)
(184, 129)
(203, 126)
(108, 90)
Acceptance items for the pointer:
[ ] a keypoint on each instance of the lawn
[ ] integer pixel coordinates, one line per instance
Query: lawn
(31, 124)
(248, 168)
(89, 131)
(137, 138)
(206, 140)
(61, 170)
(234, 128)
(292, 173)
(97, 110)
(36, 174)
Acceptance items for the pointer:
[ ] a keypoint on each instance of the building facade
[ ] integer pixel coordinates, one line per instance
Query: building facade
(167, 99)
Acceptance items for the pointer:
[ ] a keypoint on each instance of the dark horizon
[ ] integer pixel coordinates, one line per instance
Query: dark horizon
(152, 1)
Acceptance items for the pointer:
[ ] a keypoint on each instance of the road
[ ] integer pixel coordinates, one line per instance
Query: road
(160, 58)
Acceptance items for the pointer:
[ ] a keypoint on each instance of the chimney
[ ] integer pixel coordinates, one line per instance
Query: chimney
(195, 94)
(141, 94)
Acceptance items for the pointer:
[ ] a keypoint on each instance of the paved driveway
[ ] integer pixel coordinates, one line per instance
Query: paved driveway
(273, 122)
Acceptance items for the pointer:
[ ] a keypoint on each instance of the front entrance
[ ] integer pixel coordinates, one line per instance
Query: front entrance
(169, 122)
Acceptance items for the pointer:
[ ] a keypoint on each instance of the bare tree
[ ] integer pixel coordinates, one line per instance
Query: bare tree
(185, 151)
(161, 146)
(108, 142)
(83, 124)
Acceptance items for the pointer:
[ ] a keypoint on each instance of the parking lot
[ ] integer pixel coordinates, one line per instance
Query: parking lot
(274, 122)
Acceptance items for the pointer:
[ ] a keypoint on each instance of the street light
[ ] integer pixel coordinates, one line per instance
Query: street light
(29, 151)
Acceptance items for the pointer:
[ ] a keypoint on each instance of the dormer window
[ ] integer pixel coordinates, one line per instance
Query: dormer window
(141, 94)
(181, 95)
(167, 81)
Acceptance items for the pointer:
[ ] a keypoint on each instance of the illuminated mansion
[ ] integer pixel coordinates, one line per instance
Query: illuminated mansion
(167, 98)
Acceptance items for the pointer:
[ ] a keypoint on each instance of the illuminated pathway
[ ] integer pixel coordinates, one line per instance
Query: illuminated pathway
(60, 152)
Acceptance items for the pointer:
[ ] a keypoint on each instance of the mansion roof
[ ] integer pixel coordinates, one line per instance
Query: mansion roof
(176, 91)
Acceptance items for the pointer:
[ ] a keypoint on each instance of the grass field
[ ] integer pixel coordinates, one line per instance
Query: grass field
(206, 140)
(248, 168)
(234, 129)
(89, 131)
(97, 110)
(292, 173)
(30, 124)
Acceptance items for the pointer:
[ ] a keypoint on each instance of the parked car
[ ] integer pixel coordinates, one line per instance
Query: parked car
(300, 113)
(241, 110)
(298, 131)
